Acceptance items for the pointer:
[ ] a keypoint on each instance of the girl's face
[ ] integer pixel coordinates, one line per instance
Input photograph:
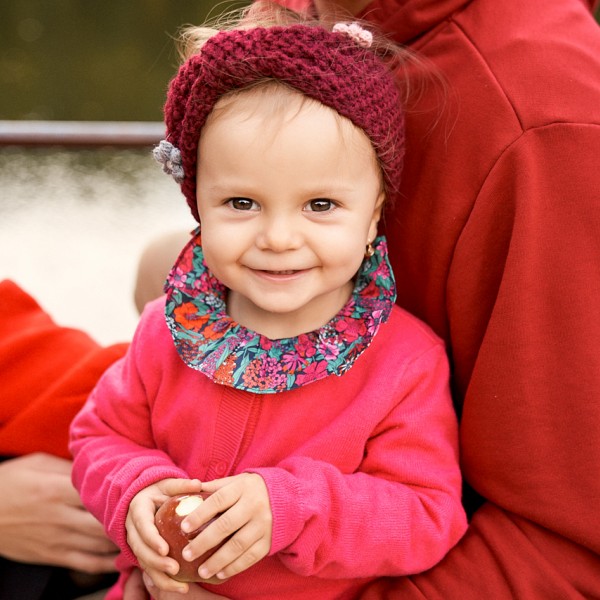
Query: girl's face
(286, 211)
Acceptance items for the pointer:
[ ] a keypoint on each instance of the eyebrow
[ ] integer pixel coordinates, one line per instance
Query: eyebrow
(316, 191)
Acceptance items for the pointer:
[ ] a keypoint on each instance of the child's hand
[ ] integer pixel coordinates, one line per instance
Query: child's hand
(143, 538)
(246, 516)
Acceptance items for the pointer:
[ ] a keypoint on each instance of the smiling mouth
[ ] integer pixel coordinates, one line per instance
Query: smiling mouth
(283, 273)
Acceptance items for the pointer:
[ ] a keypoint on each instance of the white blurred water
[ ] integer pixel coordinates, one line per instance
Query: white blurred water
(73, 225)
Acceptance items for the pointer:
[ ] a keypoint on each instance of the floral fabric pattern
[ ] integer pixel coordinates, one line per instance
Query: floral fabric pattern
(209, 340)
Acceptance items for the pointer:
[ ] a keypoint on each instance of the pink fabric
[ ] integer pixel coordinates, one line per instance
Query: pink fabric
(365, 461)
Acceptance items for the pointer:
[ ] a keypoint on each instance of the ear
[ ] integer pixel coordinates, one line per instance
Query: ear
(377, 212)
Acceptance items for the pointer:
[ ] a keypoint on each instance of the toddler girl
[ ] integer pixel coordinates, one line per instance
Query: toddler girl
(278, 371)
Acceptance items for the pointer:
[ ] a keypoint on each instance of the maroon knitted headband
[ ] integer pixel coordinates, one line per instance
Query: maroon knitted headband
(334, 68)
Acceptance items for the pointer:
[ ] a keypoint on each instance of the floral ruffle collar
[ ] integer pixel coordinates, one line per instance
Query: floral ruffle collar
(210, 341)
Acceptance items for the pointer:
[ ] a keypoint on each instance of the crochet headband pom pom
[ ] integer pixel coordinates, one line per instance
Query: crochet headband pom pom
(170, 158)
(359, 34)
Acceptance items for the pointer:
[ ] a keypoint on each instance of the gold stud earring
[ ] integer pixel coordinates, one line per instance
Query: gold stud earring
(369, 251)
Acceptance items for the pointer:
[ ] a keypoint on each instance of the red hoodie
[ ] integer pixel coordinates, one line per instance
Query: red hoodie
(497, 246)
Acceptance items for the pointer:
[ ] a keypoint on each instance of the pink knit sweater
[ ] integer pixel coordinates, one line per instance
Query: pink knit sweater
(362, 470)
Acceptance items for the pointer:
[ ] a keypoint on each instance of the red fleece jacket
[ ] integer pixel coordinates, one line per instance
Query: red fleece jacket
(497, 247)
(47, 373)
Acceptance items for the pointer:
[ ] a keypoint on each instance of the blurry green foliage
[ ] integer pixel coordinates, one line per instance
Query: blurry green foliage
(92, 59)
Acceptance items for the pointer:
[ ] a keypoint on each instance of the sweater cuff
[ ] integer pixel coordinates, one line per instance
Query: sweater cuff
(287, 506)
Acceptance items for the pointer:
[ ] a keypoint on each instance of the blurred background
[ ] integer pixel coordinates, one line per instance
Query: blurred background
(94, 59)
(74, 220)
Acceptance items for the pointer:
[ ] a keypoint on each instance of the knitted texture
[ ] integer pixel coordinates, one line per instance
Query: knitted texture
(329, 67)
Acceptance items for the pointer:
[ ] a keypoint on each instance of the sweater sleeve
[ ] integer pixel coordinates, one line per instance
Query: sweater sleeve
(112, 444)
(530, 428)
(402, 507)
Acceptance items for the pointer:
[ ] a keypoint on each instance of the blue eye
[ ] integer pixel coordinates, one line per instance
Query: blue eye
(320, 205)
(241, 203)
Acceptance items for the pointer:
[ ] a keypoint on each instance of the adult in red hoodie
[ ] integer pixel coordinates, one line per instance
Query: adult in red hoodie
(497, 246)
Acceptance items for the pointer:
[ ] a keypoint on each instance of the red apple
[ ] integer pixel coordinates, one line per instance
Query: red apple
(168, 522)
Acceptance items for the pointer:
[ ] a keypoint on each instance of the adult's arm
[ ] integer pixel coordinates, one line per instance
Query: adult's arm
(530, 426)
(47, 371)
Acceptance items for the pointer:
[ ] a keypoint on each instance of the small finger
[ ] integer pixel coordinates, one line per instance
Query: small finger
(145, 533)
(254, 554)
(148, 556)
(173, 487)
(212, 536)
(244, 546)
(216, 484)
(217, 503)
(139, 543)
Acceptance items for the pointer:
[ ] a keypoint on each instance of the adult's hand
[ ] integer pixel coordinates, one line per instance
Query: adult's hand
(42, 520)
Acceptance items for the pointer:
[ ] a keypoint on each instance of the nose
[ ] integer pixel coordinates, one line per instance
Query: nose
(279, 233)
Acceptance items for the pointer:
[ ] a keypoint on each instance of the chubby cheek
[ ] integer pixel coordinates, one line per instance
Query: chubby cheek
(352, 268)
(347, 261)
(215, 261)
(220, 254)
